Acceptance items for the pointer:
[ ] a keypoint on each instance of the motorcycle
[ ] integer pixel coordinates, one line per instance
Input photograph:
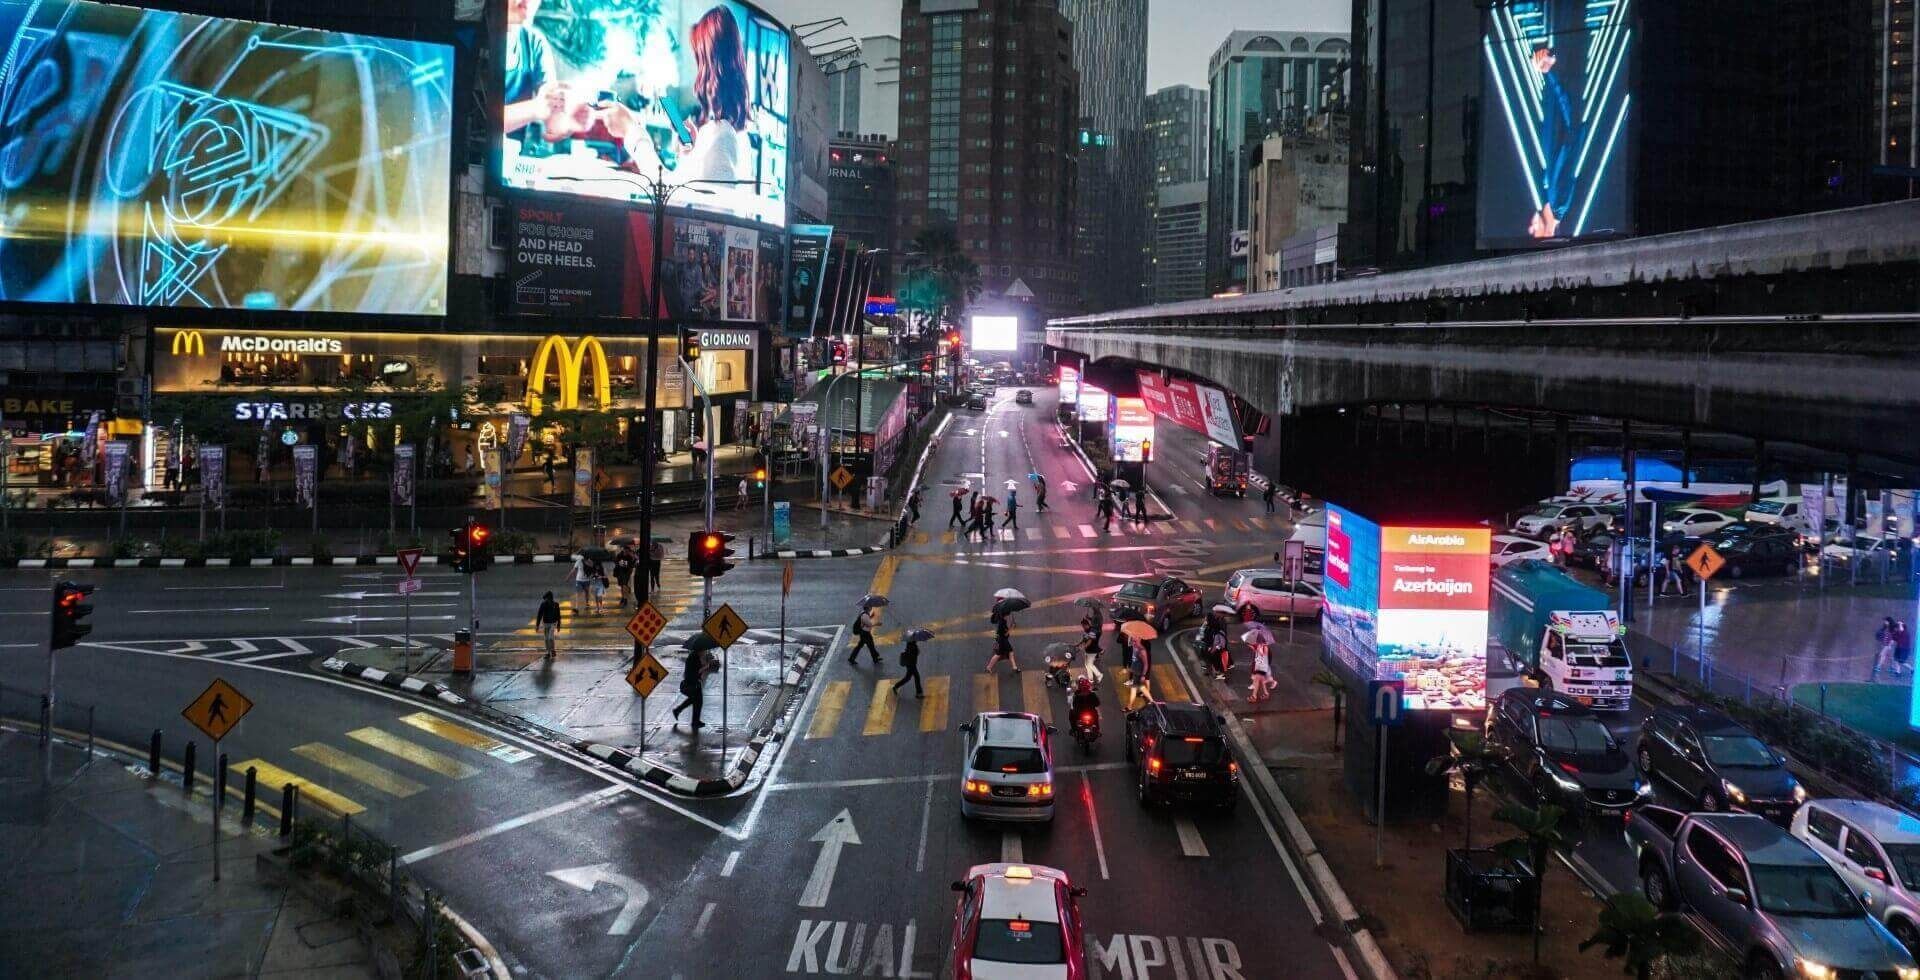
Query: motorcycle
(1085, 728)
(1060, 660)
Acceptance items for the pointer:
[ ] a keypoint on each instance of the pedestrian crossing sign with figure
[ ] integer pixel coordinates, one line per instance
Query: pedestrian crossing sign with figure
(841, 477)
(725, 626)
(218, 709)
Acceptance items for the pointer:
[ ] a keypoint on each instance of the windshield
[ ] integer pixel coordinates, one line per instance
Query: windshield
(1738, 750)
(1596, 655)
(1198, 752)
(1138, 590)
(1019, 941)
(1803, 890)
(1551, 510)
(1769, 507)
(1905, 859)
(1010, 759)
(1580, 734)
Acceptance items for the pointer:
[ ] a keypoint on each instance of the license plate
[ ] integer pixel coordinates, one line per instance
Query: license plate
(1193, 775)
(1009, 791)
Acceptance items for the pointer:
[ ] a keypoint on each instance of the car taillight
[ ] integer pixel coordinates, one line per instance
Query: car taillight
(1153, 765)
(1040, 789)
(1233, 767)
(977, 786)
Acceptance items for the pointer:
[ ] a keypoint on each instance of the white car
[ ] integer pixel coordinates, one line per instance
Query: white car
(1017, 922)
(1509, 548)
(1270, 595)
(1774, 512)
(1007, 771)
(1876, 850)
(1694, 522)
(1548, 518)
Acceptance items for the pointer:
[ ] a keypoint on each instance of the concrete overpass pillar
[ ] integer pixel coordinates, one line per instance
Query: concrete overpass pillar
(1686, 458)
(1759, 466)
(1562, 450)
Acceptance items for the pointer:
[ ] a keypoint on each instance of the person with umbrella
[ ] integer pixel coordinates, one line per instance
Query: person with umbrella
(958, 517)
(1039, 493)
(1260, 639)
(1267, 495)
(693, 678)
(1213, 639)
(1140, 501)
(863, 629)
(625, 562)
(1090, 628)
(987, 504)
(1009, 601)
(1104, 507)
(1013, 509)
(1141, 634)
(910, 661)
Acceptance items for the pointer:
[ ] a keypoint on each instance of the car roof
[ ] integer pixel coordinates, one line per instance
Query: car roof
(1262, 571)
(1761, 841)
(1008, 728)
(1705, 720)
(1504, 538)
(1186, 718)
(1033, 899)
(1884, 823)
(1551, 702)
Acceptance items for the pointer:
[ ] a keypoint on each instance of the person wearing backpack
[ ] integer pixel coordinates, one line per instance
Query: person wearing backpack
(863, 630)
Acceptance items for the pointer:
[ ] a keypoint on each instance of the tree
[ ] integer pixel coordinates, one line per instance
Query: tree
(939, 275)
(1631, 929)
(1473, 757)
(1338, 688)
(1539, 835)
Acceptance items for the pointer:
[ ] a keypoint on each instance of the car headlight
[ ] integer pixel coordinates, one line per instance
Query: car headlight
(1733, 792)
(1799, 793)
(1563, 782)
(1908, 972)
(1642, 788)
(1814, 971)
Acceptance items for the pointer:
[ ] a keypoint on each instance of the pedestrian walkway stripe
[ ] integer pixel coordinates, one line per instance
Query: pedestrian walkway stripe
(826, 715)
(1060, 531)
(947, 537)
(1191, 843)
(379, 777)
(1087, 531)
(461, 735)
(1240, 525)
(276, 778)
(921, 537)
(420, 756)
(1033, 534)
(986, 693)
(880, 711)
(1260, 522)
(1169, 683)
(933, 710)
(1034, 695)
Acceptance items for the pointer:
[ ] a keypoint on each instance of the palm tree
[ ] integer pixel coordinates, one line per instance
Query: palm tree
(1633, 930)
(1473, 757)
(1539, 835)
(940, 276)
(1338, 688)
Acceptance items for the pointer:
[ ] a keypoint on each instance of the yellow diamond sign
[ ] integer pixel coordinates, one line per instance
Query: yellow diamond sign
(725, 626)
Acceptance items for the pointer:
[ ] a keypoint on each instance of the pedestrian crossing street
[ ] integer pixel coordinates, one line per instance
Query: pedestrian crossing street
(1032, 533)
(839, 711)
(376, 764)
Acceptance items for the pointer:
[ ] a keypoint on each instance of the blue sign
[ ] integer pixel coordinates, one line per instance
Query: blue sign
(1383, 702)
(782, 523)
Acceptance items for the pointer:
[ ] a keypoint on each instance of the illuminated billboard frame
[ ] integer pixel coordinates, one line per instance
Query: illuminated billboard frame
(1092, 403)
(599, 98)
(164, 159)
(1131, 439)
(1069, 386)
(993, 333)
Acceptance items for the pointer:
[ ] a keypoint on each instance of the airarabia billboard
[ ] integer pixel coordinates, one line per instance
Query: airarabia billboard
(1409, 603)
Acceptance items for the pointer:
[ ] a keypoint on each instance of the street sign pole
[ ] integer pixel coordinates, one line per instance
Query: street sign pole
(217, 799)
(1380, 801)
(786, 586)
(1700, 631)
(1385, 702)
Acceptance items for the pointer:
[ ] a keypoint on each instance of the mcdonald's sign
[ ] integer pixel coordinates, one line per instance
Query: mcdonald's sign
(568, 362)
(189, 342)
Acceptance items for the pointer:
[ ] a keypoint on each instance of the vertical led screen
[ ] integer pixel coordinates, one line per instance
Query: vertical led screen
(1352, 585)
(1092, 403)
(1555, 127)
(150, 158)
(994, 333)
(1132, 438)
(597, 93)
(1069, 386)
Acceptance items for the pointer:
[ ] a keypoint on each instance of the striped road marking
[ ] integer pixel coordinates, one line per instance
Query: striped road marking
(1190, 843)
(1169, 683)
(276, 777)
(986, 693)
(461, 735)
(880, 712)
(425, 758)
(933, 710)
(1033, 695)
(826, 715)
(379, 777)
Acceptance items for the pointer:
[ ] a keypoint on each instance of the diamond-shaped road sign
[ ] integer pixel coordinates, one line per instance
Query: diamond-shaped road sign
(218, 709)
(647, 673)
(1706, 561)
(725, 626)
(841, 477)
(646, 624)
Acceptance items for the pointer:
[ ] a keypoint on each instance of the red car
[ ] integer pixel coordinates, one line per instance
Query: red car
(1018, 922)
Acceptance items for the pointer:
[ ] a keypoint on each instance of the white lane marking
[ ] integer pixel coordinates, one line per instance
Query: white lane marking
(269, 656)
(354, 642)
(1087, 531)
(511, 823)
(833, 838)
(780, 758)
(219, 588)
(295, 646)
(733, 858)
(1093, 820)
(922, 778)
(1010, 850)
(26, 612)
(19, 646)
(174, 612)
(926, 812)
(706, 915)
(1190, 843)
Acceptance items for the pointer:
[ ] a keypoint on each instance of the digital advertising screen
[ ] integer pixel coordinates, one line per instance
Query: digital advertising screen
(1132, 437)
(1351, 580)
(1092, 403)
(176, 160)
(601, 98)
(1555, 164)
(1069, 386)
(994, 333)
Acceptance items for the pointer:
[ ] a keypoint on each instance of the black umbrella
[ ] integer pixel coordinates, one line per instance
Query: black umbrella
(596, 553)
(1094, 611)
(1007, 607)
(700, 643)
(920, 635)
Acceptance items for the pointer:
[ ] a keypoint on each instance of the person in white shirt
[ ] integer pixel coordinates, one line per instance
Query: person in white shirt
(721, 86)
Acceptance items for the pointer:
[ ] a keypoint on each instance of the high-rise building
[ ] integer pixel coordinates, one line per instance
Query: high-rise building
(1180, 242)
(1177, 134)
(1259, 82)
(1109, 38)
(1897, 89)
(988, 104)
(863, 89)
(1297, 182)
(860, 187)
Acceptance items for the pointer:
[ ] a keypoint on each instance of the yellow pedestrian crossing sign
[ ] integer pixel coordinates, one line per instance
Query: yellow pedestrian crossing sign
(725, 626)
(841, 477)
(647, 673)
(218, 709)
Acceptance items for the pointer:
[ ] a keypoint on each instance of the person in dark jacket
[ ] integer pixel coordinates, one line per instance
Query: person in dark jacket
(547, 620)
(1040, 494)
(693, 682)
(1002, 644)
(1267, 495)
(959, 517)
(910, 662)
(863, 630)
(913, 505)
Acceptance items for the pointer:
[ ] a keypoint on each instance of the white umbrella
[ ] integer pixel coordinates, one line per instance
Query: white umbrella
(1009, 593)
(1256, 633)
(1224, 609)
(1120, 485)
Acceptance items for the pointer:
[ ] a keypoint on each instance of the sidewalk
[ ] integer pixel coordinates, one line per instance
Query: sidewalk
(110, 874)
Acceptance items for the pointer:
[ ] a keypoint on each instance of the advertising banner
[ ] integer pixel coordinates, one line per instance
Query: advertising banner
(1217, 416)
(782, 523)
(994, 333)
(1070, 386)
(1132, 432)
(808, 264)
(575, 258)
(583, 477)
(306, 465)
(517, 425)
(89, 444)
(213, 475)
(117, 452)
(263, 454)
(603, 97)
(175, 159)
(1092, 402)
(1200, 408)
(742, 420)
(346, 454)
(493, 465)
(1813, 510)
(403, 475)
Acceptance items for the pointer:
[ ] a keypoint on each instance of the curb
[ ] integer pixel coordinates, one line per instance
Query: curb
(821, 552)
(388, 679)
(1318, 875)
(300, 561)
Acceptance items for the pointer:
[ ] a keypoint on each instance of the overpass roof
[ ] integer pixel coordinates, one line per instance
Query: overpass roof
(1876, 234)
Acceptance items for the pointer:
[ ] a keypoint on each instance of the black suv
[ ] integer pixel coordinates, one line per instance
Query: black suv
(1757, 549)
(1179, 752)
(1559, 747)
(1717, 763)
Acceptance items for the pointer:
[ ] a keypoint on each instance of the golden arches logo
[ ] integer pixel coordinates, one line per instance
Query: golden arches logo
(189, 342)
(569, 360)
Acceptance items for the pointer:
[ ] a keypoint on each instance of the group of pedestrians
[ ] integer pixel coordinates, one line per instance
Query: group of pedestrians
(975, 517)
(1217, 651)
(1109, 502)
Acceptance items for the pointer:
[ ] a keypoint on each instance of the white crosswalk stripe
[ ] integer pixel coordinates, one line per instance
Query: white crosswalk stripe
(1087, 531)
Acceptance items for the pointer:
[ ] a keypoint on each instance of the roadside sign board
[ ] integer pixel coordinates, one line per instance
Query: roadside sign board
(218, 709)
(645, 625)
(841, 477)
(410, 559)
(1706, 561)
(1383, 702)
(409, 586)
(1296, 559)
(647, 673)
(786, 579)
(725, 626)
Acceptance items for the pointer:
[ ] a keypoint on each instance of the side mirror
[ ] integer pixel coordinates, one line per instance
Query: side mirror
(968, 728)
(1737, 896)
(959, 886)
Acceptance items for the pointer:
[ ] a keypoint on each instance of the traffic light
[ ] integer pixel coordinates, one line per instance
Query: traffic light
(953, 338)
(480, 546)
(70, 610)
(1146, 450)
(707, 553)
(462, 553)
(760, 478)
(689, 344)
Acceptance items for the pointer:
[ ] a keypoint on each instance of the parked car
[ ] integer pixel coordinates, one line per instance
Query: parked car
(1509, 548)
(1763, 897)
(1876, 851)
(1017, 921)
(1693, 521)
(1179, 752)
(1560, 748)
(1551, 518)
(1268, 594)
(1781, 511)
(1769, 552)
(1023, 397)
(1006, 767)
(1717, 763)
(1874, 554)
(1162, 601)
(976, 402)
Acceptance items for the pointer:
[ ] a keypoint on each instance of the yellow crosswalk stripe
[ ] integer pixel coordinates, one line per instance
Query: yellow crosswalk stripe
(1259, 522)
(826, 715)
(273, 776)
(933, 710)
(921, 537)
(462, 735)
(986, 693)
(1240, 525)
(947, 537)
(1169, 684)
(425, 758)
(1033, 695)
(379, 777)
(880, 712)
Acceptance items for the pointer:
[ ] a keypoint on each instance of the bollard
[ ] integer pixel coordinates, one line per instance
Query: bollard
(153, 754)
(246, 808)
(46, 718)
(220, 781)
(428, 921)
(286, 808)
(89, 734)
(186, 771)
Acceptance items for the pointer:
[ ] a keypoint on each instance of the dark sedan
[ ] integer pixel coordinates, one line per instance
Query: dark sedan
(1161, 602)
(1758, 549)
(1561, 749)
(1717, 763)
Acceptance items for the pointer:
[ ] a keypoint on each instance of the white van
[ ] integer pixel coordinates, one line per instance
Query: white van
(1775, 510)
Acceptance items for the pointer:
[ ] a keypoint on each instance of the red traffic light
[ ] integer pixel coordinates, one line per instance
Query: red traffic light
(480, 534)
(953, 337)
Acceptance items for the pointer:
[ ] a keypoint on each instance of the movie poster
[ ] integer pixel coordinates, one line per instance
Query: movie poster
(213, 475)
(697, 250)
(739, 273)
(306, 466)
(403, 475)
(517, 424)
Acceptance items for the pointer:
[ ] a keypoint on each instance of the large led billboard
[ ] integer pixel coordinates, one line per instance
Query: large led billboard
(150, 158)
(994, 333)
(1091, 402)
(1409, 603)
(1132, 432)
(603, 97)
(1555, 130)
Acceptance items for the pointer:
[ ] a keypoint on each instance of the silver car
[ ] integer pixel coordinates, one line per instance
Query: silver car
(1007, 771)
(1270, 595)
(1876, 850)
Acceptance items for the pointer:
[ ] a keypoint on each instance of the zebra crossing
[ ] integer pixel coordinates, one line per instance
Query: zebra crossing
(258, 649)
(1033, 533)
(865, 708)
(374, 764)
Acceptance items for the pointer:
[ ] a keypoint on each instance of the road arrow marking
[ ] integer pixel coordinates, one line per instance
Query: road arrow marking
(588, 877)
(837, 834)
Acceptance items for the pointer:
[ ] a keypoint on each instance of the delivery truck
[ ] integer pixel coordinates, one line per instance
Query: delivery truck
(1228, 470)
(1565, 635)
